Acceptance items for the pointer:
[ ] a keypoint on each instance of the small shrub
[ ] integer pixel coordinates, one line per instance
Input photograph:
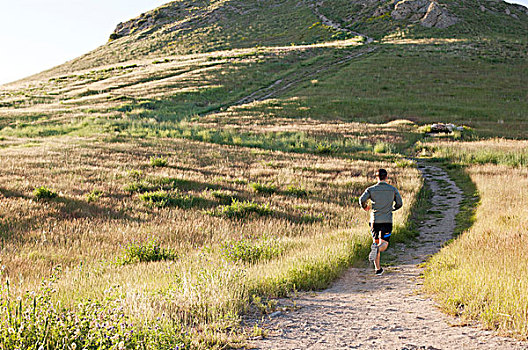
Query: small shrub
(151, 251)
(43, 193)
(249, 251)
(325, 148)
(263, 189)
(138, 186)
(383, 147)
(135, 174)
(240, 181)
(296, 191)
(158, 162)
(225, 197)
(239, 209)
(161, 199)
(94, 195)
(425, 129)
(405, 163)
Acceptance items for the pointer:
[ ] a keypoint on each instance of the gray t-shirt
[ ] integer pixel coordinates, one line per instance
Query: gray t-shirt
(382, 196)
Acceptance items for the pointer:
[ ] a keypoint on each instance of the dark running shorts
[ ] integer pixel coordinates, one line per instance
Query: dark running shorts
(383, 229)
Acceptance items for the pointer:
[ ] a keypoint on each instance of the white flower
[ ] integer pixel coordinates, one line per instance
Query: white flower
(121, 345)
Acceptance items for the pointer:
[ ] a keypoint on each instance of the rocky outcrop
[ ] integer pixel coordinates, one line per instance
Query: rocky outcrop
(176, 13)
(412, 10)
(437, 17)
(429, 13)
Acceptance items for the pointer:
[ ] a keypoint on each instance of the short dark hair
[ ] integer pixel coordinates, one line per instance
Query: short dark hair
(382, 174)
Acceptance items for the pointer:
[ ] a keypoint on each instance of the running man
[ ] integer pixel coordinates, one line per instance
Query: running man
(382, 195)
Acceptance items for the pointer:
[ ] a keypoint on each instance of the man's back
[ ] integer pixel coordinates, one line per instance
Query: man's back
(382, 196)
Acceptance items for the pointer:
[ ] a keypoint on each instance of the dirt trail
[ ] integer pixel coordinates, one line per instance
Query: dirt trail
(285, 83)
(363, 311)
(295, 78)
(328, 22)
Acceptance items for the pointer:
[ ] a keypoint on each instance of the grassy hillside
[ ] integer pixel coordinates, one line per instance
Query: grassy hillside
(210, 156)
(197, 26)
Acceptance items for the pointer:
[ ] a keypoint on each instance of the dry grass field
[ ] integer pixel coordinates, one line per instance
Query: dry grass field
(237, 223)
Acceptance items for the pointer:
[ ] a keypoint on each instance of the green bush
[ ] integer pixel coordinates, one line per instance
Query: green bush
(158, 162)
(138, 186)
(151, 251)
(43, 192)
(326, 148)
(263, 189)
(249, 251)
(406, 163)
(296, 191)
(162, 198)
(383, 147)
(94, 195)
(225, 197)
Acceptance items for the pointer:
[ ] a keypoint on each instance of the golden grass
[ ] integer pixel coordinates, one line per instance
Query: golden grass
(483, 274)
(489, 151)
(87, 236)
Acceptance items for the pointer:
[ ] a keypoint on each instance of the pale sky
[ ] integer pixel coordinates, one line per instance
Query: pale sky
(39, 34)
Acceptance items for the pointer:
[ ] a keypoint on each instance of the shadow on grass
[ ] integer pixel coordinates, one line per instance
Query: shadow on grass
(63, 209)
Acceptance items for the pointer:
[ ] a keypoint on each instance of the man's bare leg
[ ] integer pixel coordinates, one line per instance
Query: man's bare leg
(382, 246)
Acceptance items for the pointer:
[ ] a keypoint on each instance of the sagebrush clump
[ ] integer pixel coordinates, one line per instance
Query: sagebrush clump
(43, 193)
(146, 252)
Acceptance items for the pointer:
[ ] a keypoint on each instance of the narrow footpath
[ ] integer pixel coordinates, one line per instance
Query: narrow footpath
(364, 311)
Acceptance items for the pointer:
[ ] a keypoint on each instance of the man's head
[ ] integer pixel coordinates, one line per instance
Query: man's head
(381, 174)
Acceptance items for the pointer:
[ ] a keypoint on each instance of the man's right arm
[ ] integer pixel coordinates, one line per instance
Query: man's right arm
(364, 198)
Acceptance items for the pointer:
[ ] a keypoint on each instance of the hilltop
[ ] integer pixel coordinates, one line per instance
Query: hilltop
(195, 26)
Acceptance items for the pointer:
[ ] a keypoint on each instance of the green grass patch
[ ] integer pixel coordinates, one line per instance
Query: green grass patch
(296, 191)
(224, 197)
(158, 162)
(252, 251)
(146, 252)
(44, 193)
(162, 199)
(260, 188)
(93, 196)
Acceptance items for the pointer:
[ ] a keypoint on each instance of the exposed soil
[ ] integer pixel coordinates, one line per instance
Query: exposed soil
(364, 311)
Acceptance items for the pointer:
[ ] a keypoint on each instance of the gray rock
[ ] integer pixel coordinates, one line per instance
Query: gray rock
(429, 13)
(410, 9)
(437, 17)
